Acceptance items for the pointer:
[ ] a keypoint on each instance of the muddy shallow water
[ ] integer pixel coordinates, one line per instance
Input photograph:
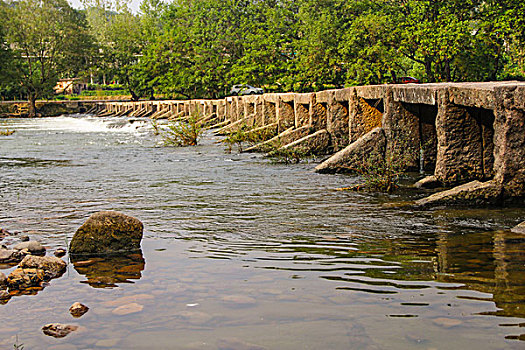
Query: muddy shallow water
(240, 253)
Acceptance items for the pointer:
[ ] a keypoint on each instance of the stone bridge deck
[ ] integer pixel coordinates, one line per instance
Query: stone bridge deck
(470, 135)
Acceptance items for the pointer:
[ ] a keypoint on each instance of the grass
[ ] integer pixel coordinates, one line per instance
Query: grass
(17, 345)
(6, 132)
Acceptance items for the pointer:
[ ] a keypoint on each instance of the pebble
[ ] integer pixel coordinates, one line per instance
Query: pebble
(128, 299)
(107, 343)
(240, 300)
(446, 322)
(78, 309)
(4, 295)
(60, 252)
(58, 330)
(237, 344)
(128, 309)
(24, 238)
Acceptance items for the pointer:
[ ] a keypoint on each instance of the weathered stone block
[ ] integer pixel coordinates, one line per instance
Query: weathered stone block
(337, 124)
(318, 115)
(509, 141)
(362, 118)
(350, 158)
(286, 115)
(460, 145)
(474, 192)
(402, 133)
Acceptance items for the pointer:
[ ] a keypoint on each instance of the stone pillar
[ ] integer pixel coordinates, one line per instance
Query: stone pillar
(285, 114)
(509, 140)
(362, 118)
(337, 121)
(402, 133)
(270, 112)
(460, 145)
(318, 113)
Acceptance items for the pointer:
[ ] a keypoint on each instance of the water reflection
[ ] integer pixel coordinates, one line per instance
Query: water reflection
(109, 271)
(490, 262)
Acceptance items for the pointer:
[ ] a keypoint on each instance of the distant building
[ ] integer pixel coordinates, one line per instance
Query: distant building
(70, 86)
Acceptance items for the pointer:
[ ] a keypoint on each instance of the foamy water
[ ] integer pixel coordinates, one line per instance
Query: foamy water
(83, 124)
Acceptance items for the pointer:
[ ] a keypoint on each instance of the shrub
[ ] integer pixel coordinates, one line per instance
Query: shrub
(287, 155)
(382, 172)
(183, 132)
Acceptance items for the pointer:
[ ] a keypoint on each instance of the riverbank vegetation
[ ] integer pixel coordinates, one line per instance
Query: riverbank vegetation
(200, 48)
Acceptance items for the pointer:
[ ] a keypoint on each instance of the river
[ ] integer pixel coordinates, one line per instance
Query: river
(243, 253)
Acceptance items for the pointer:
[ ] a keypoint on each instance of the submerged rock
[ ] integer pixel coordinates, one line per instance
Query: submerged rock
(428, 182)
(58, 330)
(78, 309)
(4, 233)
(107, 232)
(520, 228)
(53, 267)
(127, 309)
(33, 247)
(10, 256)
(3, 280)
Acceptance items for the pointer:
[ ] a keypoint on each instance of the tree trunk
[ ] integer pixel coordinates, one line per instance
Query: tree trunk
(428, 70)
(32, 106)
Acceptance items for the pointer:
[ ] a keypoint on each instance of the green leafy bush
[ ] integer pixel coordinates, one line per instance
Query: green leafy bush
(183, 132)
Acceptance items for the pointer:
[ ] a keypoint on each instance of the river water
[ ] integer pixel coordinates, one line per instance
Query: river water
(242, 253)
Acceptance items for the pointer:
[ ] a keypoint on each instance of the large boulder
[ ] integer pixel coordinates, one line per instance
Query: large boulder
(107, 232)
(53, 267)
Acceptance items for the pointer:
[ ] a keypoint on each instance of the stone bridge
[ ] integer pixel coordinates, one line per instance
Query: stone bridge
(469, 136)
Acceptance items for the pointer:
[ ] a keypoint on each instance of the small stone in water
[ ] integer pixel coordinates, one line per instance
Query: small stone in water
(58, 330)
(78, 309)
(4, 295)
(447, 322)
(33, 247)
(60, 252)
(3, 279)
(24, 238)
(128, 309)
(107, 343)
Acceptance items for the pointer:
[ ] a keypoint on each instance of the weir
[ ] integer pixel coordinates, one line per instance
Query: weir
(469, 135)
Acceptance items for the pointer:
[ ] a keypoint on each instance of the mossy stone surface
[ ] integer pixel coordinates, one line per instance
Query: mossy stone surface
(107, 232)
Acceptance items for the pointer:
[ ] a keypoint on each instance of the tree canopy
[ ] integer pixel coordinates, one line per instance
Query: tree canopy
(200, 48)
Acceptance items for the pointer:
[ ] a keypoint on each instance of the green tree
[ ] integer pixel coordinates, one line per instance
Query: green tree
(48, 38)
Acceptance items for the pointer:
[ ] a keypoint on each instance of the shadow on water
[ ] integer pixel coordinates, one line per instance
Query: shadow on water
(110, 271)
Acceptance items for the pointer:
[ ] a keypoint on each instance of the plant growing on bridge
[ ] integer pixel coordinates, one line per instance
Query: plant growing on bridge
(382, 171)
(246, 134)
(290, 155)
(183, 132)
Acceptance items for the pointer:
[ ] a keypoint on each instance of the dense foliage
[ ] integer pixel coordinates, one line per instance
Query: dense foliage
(200, 48)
